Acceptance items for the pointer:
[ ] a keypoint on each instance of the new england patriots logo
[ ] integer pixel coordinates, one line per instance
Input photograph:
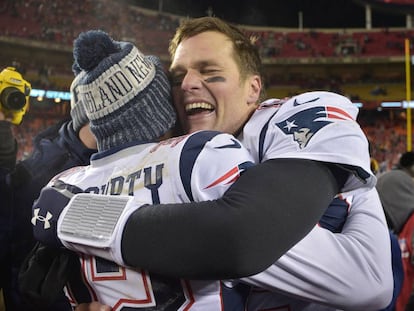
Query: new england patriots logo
(306, 123)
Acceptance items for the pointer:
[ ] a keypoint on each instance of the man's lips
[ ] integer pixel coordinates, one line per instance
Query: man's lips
(199, 107)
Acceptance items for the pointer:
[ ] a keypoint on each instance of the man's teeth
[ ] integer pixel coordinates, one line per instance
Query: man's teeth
(193, 106)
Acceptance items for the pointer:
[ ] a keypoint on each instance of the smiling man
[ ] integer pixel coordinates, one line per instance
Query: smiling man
(217, 85)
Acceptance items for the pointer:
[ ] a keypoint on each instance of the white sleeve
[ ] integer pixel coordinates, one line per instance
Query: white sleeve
(219, 164)
(316, 126)
(347, 270)
(93, 223)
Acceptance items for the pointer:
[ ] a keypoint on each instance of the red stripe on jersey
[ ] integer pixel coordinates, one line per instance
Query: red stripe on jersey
(234, 170)
(70, 296)
(335, 113)
(233, 179)
(221, 296)
(188, 294)
(148, 299)
(84, 269)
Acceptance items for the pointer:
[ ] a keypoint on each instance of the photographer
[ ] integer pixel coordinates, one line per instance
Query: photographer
(64, 145)
(14, 91)
(8, 146)
(8, 149)
(14, 100)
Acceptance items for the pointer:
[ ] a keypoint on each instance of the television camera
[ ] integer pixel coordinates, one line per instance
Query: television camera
(14, 94)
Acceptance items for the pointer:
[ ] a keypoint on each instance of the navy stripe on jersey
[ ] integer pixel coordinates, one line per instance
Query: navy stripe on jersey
(234, 298)
(335, 216)
(262, 137)
(357, 171)
(192, 148)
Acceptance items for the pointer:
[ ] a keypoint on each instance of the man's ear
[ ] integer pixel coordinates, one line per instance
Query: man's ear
(255, 87)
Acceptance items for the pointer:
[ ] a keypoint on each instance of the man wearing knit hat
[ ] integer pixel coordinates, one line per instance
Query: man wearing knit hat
(126, 96)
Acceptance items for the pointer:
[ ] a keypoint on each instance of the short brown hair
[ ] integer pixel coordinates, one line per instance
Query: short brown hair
(245, 53)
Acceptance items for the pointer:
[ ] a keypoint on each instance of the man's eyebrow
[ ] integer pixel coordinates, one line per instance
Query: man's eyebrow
(198, 65)
(206, 63)
(174, 69)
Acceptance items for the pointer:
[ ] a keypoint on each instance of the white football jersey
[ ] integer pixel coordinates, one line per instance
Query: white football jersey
(334, 270)
(324, 267)
(200, 166)
(316, 126)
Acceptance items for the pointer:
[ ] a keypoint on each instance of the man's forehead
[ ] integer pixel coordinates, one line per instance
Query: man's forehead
(208, 36)
(202, 50)
(196, 64)
(209, 42)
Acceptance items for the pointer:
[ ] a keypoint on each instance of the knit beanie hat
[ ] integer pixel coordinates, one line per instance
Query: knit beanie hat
(77, 112)
(126, 95)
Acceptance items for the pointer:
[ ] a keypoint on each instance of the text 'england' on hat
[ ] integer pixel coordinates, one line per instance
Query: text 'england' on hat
(126, 95)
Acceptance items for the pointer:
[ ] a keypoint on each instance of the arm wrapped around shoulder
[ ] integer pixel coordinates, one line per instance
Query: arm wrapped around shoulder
(264, 213)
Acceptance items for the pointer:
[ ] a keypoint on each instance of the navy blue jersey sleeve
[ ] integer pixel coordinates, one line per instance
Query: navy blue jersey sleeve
(269, 209)
(189, 155)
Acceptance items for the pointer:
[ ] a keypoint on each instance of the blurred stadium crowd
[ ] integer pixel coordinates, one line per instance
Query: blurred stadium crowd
(36, 36)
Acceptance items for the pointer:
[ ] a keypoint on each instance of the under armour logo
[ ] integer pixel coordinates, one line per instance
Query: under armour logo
(38, 217)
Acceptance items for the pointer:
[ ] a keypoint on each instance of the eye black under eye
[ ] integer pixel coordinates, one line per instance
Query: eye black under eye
(215, 79)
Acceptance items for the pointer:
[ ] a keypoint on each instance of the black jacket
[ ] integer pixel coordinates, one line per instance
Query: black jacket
(56, 149)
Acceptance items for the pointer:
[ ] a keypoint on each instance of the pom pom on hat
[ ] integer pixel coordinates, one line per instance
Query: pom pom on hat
(126, 95)
(92, 47)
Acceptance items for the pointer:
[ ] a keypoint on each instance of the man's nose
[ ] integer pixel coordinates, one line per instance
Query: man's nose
(192, 81)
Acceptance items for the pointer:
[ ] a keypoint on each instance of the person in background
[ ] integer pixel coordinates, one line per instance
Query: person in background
(14, 100)
(8, 151)
(396, 191)
(67, 144)
(8, 147)
(215, 74)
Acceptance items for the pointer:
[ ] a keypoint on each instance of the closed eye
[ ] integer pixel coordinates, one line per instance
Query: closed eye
(210, 71)
(176, 80)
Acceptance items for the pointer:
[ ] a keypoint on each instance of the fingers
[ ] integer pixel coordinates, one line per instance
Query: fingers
(4, 117)
(94, 306)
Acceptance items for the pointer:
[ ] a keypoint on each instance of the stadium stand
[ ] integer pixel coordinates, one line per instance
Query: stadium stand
(365, 65)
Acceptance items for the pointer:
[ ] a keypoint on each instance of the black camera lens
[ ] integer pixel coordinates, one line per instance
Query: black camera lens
(11, 98)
